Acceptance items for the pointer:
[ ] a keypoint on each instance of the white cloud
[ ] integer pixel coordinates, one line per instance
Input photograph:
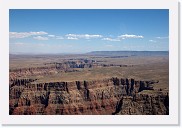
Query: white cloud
(25, 34)
(51, 36)
(152, 41)
(130, 36)
(83, 36)
(162, 37)
(72, 38)
(110, 39)
(87, 36)
(40, 38)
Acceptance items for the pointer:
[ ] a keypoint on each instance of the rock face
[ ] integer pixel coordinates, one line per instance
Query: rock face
(99, 97)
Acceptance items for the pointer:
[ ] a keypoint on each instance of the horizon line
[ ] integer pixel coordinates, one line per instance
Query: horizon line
(21, 53)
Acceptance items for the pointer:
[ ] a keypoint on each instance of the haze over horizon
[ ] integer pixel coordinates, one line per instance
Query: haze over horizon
(21, 53)
(83, 31)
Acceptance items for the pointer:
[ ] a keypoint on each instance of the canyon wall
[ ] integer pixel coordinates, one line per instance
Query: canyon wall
(112, 96)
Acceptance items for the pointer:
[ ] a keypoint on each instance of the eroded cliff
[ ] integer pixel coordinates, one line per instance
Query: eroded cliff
(97, 97)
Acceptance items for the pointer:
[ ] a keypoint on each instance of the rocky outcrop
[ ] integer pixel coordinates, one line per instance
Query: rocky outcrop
(19, 82)
(106, 97)
(118, 106)
(24, 72)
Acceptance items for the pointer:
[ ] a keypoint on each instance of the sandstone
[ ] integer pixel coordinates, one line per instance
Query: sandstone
(106, 97)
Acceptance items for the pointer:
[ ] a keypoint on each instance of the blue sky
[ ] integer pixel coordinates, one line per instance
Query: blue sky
(83, 30)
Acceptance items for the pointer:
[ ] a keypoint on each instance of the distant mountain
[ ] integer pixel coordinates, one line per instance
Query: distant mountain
(129, 53)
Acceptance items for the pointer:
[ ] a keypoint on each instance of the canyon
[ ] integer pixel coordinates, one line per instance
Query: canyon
(89, 85)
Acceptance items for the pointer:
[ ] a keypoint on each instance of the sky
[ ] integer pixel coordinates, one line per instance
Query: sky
(85, 30)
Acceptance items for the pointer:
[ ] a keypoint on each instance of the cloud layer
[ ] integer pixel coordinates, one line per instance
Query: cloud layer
(40, 38)
(110, 39)
(162, 37)
(25, 34)
(41, 35)
(130, 36)
(72, 38)
(82, 36)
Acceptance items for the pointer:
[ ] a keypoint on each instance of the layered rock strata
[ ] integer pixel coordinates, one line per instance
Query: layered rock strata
(98, 97)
